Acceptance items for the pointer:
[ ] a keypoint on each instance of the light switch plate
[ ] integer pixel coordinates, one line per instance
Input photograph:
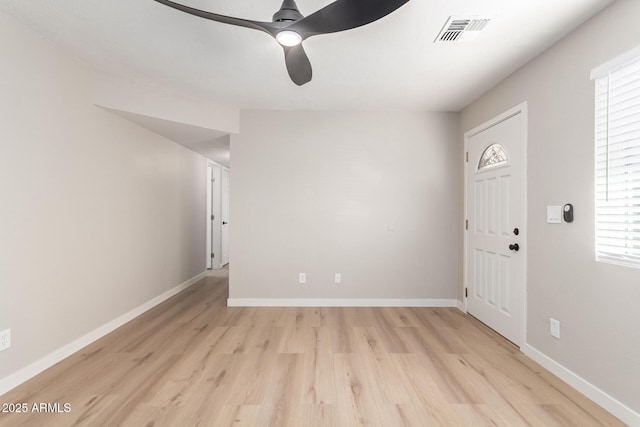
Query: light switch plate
(5, 339)
(554, 328)
(554, 214)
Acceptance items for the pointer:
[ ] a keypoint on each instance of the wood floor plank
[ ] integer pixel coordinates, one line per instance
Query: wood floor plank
(428, 397)
(481, 415)
(317, 377)
(192, 361)
(313, 415)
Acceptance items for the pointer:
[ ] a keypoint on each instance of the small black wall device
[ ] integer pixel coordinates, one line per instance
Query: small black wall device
(568, 212)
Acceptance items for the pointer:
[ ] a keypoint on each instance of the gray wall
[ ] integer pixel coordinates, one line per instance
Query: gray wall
(596, 303)
(97, 216)
(318, 192)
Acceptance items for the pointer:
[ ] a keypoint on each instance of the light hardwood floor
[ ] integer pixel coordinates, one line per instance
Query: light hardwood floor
(194, 362)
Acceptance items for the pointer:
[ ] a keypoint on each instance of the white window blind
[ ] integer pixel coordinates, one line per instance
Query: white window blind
(617, 164)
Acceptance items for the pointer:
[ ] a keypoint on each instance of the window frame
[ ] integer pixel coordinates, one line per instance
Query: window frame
(611, 83)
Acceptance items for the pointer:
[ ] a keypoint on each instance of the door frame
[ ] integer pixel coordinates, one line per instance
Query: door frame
(225, 204)
(518, 109)
(213, 239)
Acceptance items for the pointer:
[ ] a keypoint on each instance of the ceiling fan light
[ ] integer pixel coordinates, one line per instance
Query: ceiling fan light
(288, 38)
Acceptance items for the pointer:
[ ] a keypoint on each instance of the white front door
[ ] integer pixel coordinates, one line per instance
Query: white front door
(224, 196)
(495, 187)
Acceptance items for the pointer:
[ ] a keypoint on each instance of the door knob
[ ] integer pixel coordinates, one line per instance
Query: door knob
(224, 222)
(515, 247)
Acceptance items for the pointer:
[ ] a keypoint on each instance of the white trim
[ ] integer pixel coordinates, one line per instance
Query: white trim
(461, 306)
(524, 107)
(518, 109)
(225, 205)
(609, 403)
(13, 380)
(615, 63)
(208, 220)
(336, 302)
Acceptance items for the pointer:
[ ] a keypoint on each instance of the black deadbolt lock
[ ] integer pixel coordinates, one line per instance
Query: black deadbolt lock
(516, 231)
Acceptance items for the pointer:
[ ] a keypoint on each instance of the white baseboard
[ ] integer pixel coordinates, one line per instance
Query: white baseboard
(335, 302)
(615, 407)
(460, 306)
(30, 371)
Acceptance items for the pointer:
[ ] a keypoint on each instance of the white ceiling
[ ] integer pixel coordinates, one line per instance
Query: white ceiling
(389, 64)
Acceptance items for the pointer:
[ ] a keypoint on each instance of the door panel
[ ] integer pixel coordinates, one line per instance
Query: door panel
(494, 185)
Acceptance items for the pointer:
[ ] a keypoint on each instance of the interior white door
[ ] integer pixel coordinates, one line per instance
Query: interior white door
(494, 252)
(224, 200)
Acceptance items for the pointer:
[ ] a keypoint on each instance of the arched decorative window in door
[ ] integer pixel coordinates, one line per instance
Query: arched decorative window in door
(493, 156)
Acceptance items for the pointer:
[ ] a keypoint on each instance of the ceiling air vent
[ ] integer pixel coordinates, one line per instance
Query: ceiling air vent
(459, 29)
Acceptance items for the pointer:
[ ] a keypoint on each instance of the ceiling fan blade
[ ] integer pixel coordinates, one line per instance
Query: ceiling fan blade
(344, 15)
(298, 64)
(271, 28)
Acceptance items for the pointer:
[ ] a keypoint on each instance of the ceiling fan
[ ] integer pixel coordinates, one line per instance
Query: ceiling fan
(290, 27)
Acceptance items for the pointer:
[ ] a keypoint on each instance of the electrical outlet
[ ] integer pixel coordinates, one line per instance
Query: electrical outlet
(302, 278)
(554, 328)
(5, 339)
(337, 278)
